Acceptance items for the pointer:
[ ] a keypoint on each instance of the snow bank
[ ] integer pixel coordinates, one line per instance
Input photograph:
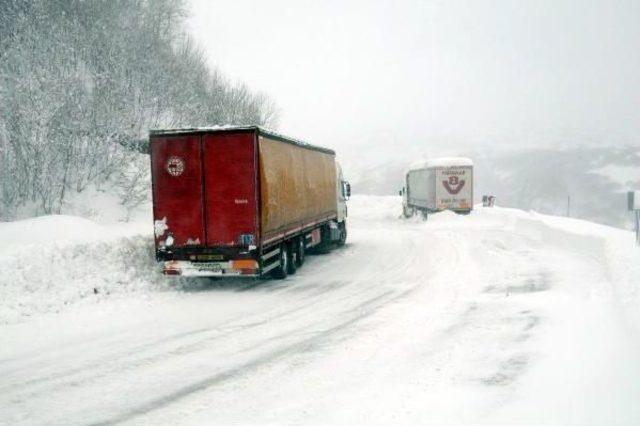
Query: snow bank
(621, 255)
(51, 262)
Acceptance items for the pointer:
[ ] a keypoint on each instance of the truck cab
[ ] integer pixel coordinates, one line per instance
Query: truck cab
(343, 192)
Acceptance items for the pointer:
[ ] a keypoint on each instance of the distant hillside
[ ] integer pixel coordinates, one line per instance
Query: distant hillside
(596, 179)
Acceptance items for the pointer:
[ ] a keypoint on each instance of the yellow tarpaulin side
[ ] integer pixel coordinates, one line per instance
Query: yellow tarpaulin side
(297, 185)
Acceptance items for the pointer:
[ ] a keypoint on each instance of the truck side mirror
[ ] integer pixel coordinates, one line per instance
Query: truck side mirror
(348, 190)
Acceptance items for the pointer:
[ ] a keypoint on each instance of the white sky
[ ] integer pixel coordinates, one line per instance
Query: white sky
(383, 79)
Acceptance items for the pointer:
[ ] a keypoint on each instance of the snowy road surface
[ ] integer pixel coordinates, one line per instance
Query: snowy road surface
(499, 317)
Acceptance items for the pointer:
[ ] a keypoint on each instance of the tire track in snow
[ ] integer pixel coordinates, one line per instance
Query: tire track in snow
(344, 300)
(120, 365)
(230, 324)
(252, 365)
(130, 360)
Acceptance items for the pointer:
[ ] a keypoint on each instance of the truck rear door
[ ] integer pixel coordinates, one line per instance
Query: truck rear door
(177, 189)
(454, 188)
(230, 176)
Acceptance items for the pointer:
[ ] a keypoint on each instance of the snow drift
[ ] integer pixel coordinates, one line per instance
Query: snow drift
(52, 262)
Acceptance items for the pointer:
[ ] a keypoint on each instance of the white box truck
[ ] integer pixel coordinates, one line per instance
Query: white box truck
(438, 184)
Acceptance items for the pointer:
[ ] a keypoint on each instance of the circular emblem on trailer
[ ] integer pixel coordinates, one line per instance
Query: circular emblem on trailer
(453, 184)
(175, 166)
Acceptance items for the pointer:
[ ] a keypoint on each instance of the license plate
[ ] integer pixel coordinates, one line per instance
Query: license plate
(209, 257)
(210, 267)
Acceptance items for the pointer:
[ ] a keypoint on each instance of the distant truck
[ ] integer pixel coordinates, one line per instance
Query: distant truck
(243, 201)
(438, 184)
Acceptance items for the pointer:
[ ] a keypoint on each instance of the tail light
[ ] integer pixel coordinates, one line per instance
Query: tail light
(244, 264)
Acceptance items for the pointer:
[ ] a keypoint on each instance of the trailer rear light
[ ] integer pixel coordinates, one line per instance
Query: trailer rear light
(244, 264)
(172, 268)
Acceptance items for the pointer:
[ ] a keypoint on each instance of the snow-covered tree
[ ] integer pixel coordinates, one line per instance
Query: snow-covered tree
(81, 82)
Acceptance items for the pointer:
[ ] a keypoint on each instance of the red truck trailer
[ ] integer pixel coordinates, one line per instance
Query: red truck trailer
(242, 201)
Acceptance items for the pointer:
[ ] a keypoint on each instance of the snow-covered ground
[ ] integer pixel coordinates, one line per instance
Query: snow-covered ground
(499, 317)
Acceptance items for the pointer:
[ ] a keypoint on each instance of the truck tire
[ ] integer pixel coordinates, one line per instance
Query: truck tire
(343, 233)
(407, 211)
(425, 214)
(292, 267)
(282, 270)
(300, 252)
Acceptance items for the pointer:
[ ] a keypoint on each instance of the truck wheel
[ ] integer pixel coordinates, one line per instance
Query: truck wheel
(425, 214)
(343, 233)
(325, 244)
(300, 252)
(281, 271)
(407, 211)
(292, 260)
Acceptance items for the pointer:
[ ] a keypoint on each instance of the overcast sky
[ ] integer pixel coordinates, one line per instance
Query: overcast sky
(431, 77)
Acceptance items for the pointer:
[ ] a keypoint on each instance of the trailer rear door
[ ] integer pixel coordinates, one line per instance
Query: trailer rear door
(454, 188)
(230, 177)
(177, 189)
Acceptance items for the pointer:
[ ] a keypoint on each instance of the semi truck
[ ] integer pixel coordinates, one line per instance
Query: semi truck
(243, 201)
(438, 184)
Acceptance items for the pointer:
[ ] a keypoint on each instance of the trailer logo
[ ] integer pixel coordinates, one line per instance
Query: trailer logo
(453, 185)
(175, 166)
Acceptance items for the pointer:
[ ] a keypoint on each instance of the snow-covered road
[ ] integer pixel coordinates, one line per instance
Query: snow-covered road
(499, 317)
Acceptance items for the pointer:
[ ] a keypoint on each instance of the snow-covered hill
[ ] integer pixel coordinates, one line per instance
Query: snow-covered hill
(499, 317)
(596, 180)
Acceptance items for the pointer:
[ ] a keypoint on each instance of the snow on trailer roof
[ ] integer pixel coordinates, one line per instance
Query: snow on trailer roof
(442, 162)
(226, 128)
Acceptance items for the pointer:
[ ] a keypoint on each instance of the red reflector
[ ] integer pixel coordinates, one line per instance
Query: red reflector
(172, 272)
(244, 264)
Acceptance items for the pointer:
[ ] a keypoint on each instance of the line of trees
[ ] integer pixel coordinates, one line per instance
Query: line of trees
(82, 81)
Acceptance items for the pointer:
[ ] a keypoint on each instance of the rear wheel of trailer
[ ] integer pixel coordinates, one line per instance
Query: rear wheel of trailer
(300, 251)
(282, 270)
(292, 267)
